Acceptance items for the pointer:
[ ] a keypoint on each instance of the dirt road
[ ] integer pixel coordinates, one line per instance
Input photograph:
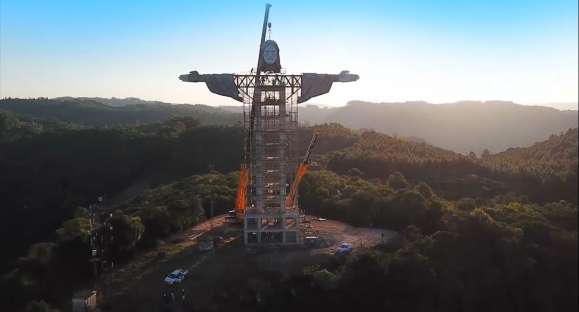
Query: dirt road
(139, 286)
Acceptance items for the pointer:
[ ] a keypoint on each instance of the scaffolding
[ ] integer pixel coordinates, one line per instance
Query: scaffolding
(272, 162)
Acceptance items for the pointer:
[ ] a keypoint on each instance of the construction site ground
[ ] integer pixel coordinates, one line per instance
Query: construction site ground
(138, 285)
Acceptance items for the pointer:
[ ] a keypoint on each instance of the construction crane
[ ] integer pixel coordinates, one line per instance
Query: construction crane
(241, 196)
(301, 171)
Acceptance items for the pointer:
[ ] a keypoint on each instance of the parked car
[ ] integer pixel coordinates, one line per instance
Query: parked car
(176, 276)
(344, 249)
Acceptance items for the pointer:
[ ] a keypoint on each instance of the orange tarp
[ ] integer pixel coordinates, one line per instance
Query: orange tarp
(289, 200)
(241, 190)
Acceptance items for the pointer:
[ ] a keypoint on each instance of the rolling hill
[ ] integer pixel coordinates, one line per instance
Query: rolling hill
(556, 156)
(462, 127)
(99, 112)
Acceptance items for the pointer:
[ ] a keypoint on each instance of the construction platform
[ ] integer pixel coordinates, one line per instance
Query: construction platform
(267, 229)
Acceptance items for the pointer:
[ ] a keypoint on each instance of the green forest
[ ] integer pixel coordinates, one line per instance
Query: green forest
(495, 232)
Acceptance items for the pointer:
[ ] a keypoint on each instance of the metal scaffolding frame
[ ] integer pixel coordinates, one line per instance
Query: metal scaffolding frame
(272, 161)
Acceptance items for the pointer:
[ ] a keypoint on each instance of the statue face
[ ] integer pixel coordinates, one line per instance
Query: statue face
(269, 53)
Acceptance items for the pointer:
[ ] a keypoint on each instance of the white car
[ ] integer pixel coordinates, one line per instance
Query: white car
(344, 249)
(176, 277)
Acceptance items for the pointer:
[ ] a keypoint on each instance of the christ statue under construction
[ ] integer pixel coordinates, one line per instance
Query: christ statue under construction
(269, 176)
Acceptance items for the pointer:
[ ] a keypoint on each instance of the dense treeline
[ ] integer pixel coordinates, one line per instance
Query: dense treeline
(99, 112)
(331, 137)
(40, 189)
(543, 172)
(470, 223)
(498, 254)
(546, 171)
(46, 176)
(371, 204)
(556, 156)
(44, 273)
(174, 207)
(501, 253)
(14, 127)
(480, 261)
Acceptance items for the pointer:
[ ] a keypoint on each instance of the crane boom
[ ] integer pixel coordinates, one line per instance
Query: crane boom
(256, 93)
(310, 148)
(263, 32)
(301, 171)
(241, 196)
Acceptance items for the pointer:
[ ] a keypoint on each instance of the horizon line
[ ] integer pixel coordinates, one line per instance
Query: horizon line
(563, 105)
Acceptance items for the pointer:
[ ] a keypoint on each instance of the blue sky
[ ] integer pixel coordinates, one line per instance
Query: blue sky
(437, 51)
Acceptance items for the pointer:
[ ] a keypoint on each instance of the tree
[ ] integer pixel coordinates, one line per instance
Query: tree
(397, 181)
(425, 190)
(355, 172)
(325, 279)
(74, 229)
(7, 122)
(127, 231)
(157, 223)
(73, 249)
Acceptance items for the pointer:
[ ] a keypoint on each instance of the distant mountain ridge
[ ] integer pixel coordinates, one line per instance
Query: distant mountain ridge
(462, 126)
(101, 112)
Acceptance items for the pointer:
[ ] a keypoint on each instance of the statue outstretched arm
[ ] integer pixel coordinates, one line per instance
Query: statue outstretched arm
(192, 76)
(222, 84)
(345, 76)
(317, 84)
(312, 84)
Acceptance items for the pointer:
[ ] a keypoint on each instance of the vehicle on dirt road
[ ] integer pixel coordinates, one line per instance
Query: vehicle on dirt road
(176, 277)
(344, 249)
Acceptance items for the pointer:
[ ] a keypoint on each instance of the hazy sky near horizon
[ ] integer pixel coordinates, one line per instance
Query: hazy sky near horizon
(436, 51)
